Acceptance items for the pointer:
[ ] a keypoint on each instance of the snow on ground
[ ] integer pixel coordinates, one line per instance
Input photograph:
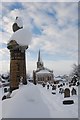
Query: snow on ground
(34, 101)
(56, 108)
(25, 103)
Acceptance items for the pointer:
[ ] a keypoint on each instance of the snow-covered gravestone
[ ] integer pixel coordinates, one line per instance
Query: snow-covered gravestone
(67, 100)
(74, 92)
(61, 90)
(53, 87)
(17, 45)
(48, 86)
(67, 92)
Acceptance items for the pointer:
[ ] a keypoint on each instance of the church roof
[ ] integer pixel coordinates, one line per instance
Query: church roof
(43, 70)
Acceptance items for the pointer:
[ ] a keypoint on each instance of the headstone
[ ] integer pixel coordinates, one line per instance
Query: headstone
(66, 83)
(5, 90)
(63, 83)
(68, 102)
(43, 84)
(74, 92)
(47, 86)
(53, 92)
(67, 92)
(4, 97)
(69, 85)
(53, 87)
(58, 86)
(74, 84)
(61, 90)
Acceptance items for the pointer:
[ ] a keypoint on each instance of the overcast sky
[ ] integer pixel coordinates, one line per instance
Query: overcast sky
(54, 27)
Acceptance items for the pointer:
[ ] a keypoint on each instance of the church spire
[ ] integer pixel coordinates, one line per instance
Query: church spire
(39, 63)
(39, 57)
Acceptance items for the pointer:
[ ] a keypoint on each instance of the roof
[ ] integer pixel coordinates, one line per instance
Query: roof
(43, 72)
(59, 79)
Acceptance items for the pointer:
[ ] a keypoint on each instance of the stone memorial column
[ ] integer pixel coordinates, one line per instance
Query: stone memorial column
(17, 64)
(17, 45)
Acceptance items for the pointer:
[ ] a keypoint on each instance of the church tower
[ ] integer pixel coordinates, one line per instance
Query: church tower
(39, 63)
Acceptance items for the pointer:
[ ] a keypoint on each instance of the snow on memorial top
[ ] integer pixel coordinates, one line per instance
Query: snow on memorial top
(19, 21)
(21, 35)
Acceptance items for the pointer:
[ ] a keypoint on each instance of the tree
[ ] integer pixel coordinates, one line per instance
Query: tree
(75, 71)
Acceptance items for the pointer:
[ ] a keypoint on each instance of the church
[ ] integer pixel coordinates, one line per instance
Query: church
(42, 74)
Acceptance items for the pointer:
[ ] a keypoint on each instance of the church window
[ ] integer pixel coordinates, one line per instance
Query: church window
(48, 77)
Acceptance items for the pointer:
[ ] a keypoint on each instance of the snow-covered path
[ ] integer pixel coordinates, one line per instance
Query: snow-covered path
(32, 101)
(25, 103)
(56, 108)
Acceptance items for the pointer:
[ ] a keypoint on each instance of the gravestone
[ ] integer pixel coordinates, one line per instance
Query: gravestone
(53, 92)
(69, 85)
(53, 87)
(63, 83)
(74, 84)
(61, 90)
(4, 97)
(47, 86)
(5, 90)
(43, 84)
(68, 102)
(66, 83)
(58, 86)
(74, 92)
(67, 92)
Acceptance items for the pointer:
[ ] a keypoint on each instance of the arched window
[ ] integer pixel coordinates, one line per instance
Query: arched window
(48, 78)
(38, 79)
